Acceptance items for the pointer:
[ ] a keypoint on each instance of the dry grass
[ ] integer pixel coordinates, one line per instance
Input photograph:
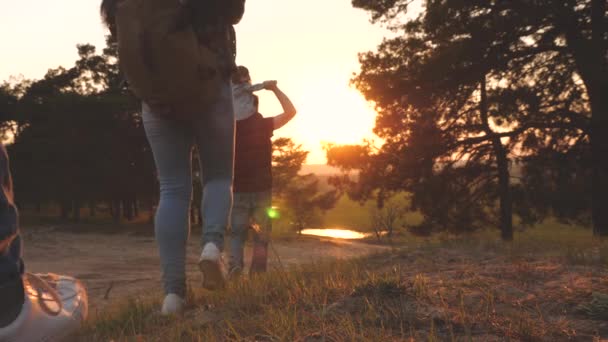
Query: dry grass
(546, 286)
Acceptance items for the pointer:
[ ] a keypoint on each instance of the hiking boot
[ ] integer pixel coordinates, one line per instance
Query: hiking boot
(173, 305)
(53, 310)
(210, 265)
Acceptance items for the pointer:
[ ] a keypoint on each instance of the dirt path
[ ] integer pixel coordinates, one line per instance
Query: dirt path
(120, 265)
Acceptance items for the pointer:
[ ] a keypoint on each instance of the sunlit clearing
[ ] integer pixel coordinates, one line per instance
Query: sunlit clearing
(335, 233)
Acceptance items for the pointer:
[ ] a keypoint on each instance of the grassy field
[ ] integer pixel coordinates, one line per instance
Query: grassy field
(353, 215)
(547, 285)
(349, 215)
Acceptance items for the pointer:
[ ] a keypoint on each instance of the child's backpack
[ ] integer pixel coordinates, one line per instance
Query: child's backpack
(175, 55)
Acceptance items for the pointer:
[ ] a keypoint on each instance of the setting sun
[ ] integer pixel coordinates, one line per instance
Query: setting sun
(331, 113)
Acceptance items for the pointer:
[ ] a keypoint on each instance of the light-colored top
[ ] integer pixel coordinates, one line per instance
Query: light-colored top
(244, 100)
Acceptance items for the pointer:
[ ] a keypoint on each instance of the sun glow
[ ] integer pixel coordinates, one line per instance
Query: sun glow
(333, 113)
(310, 47)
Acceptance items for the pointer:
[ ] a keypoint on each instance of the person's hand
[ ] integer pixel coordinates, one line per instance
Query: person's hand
(270, 85)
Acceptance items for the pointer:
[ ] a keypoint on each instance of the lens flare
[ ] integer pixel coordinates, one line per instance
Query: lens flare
(273, 213)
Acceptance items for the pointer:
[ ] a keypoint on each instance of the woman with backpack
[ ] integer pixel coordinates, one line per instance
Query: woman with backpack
(186, 101)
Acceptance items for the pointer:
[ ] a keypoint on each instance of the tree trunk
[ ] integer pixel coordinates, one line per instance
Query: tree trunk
(116, 210)
(66, 207)
(596, 82)
(504, 191)
(599, 151)
(76, 207)
(502, 163)
(590, 58)
(135, 208)
(92, 211)
(127, 206)
(153, 214)
(599, 119)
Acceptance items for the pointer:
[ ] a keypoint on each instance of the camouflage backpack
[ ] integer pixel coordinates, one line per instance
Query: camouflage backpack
(176, 55)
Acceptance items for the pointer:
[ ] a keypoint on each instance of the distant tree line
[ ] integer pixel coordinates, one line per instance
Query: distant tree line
(77, 139)
(302, 196)
(76, 143)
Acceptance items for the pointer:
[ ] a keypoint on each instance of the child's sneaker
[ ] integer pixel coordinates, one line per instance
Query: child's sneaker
(54, 309)
(210, 265)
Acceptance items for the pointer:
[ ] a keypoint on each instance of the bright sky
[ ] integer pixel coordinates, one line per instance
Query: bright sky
(309, 46)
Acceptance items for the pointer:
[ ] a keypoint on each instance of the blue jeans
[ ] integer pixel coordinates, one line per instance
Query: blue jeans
(172, 141)
(249, 208)
(11, 265)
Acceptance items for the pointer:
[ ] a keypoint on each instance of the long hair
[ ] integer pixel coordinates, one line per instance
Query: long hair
(108, 14)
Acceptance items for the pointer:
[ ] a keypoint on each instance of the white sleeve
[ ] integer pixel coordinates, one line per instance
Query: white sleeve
(256, 87)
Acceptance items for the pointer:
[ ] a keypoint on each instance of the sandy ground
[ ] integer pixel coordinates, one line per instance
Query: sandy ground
(116, 266)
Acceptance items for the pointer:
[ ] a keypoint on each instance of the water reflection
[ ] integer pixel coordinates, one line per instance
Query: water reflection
(335, 233)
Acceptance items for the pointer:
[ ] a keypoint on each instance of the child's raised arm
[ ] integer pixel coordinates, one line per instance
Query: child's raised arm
(289, 110)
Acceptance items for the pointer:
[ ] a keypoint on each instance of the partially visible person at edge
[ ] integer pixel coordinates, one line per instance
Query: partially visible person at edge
(172, 143)
(253, 179)
(33, 307)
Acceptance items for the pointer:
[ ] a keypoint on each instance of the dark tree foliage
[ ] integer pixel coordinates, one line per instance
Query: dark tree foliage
(8, 104)
(79, 141)
(469, 90)
(301, 195)
(557, 184)
(287, 160)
